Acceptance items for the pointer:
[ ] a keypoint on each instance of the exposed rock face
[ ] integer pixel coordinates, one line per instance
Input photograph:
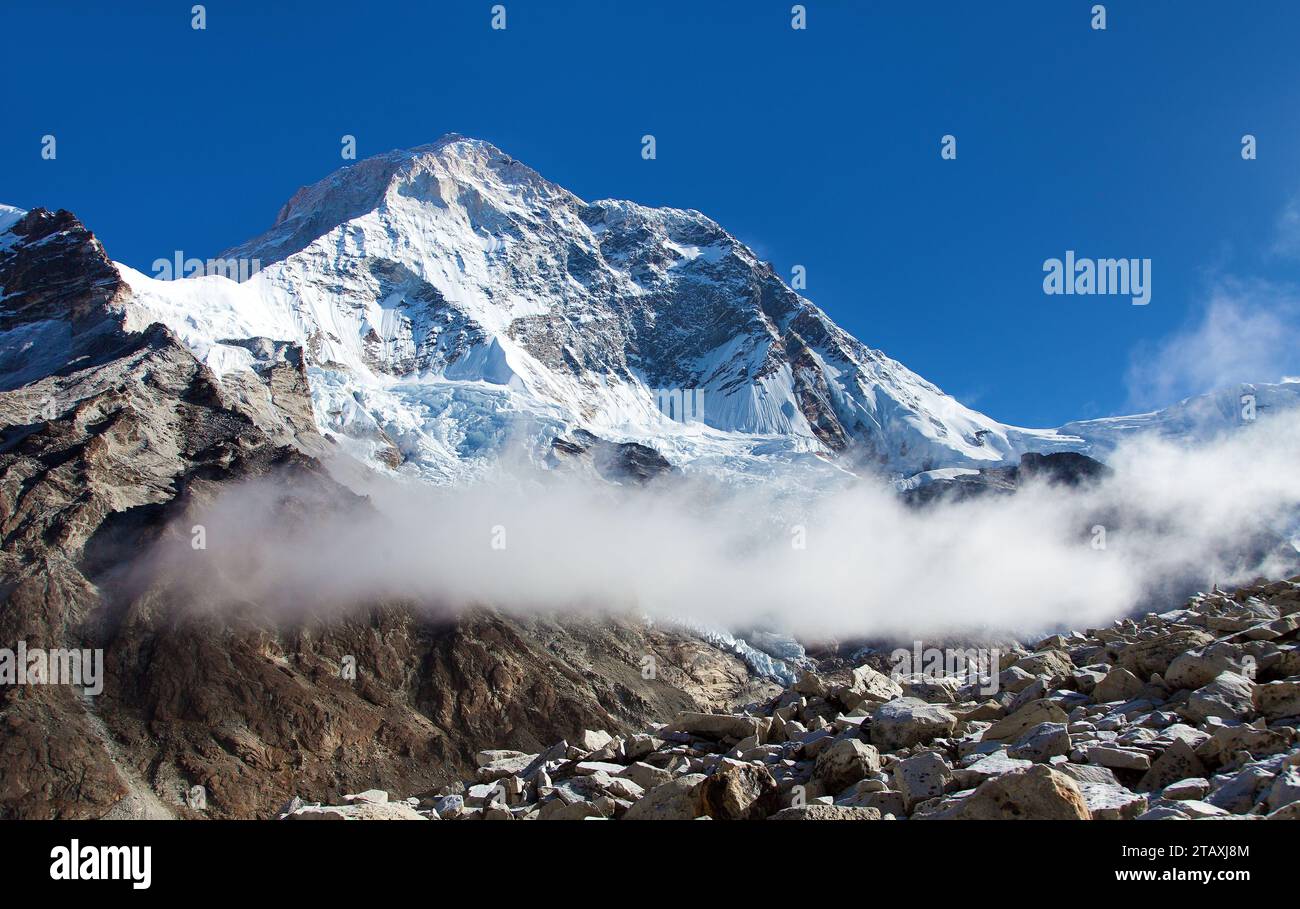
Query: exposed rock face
(625, 462)
(90, 457)
(1065, 468)
(106, 457)
(55, 270)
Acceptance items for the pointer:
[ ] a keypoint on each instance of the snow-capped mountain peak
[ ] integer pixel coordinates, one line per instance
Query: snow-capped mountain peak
(453, 303)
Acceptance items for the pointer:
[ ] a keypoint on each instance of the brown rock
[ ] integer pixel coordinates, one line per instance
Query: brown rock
(844, 763)
(1038, 793)
(1177, 762)
(677, 800)
(738, 792)
(1118, 685)
(1142, 658)
(826, 813)
(1011, 728)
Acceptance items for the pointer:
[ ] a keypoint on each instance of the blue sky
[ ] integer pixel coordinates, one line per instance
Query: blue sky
(816, 147)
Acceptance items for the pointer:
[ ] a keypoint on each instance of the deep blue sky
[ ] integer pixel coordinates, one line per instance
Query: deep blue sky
(818, 147)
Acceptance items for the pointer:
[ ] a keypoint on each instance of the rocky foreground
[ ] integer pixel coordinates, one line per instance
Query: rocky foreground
(1190, 714)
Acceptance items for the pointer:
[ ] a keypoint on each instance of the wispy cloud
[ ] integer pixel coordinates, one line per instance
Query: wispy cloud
(1248, 331)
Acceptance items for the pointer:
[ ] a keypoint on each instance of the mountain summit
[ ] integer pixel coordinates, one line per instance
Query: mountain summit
(453, 305)
(452, 301)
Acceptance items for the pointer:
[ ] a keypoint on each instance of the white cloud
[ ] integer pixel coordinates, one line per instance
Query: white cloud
(701, 551)
(1247, 332)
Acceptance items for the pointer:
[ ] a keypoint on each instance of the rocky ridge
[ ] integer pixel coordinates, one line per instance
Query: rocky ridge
(1190, 714)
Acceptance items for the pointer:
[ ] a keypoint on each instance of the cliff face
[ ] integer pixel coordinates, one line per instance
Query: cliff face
(112, 442)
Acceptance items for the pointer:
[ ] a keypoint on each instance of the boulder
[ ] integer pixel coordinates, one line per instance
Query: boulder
(986, 711)
(886, 801)
(1118, 757)
(904, 722)
(505, 764)
(1087, 773)
(719, 725)
(1044, 741)
(810, 684)
(559, 810)
(737, 792)
(1052, 666)
(922, 777)
(1285, 789)
(1142, 658)
(1198, 668)
(449, 806)
(1177, 762)
(386, 811)
(1118, 685)
(587, 768)
(1194, 788)
(318, 813)
(1038, 793)
(1260, 741)
(1013, 727)
(645, 775)
(1197, 810)
(867, 686)
(1189, 734)
(986, 768)
(826, 813)
(593, 740)
(481, 793)
(1014, 679)
(675, 800)
(931, 690)
(1276, 700)
(623, 788)
(1034, 691)
(1230, 696)
(1239, 792)
(484, 758)
(1112, 803)
(1086, 679)
(845, 762)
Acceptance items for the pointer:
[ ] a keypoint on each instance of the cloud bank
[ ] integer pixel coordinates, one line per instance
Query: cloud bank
(869, 566)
